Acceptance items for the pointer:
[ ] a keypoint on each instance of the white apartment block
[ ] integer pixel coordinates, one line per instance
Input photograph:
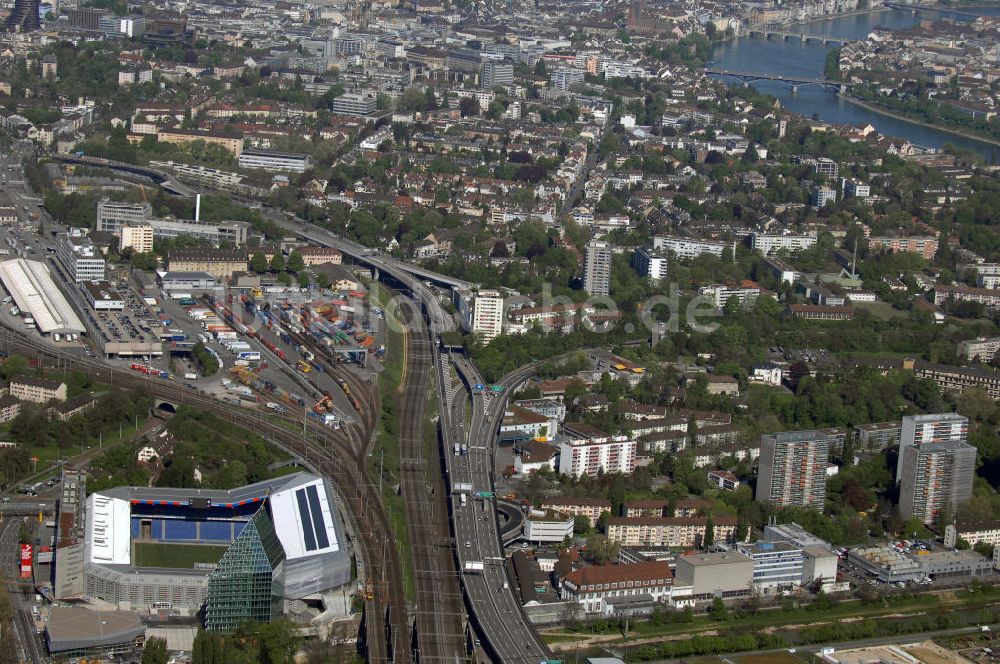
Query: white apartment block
(670, 531)
(982, 348)
(138, 238)
(650, 263)
(745, 293)
(274, 161)
(767, 243)
(487, 314)
(37, 390)
(684, 247)
(590, 451)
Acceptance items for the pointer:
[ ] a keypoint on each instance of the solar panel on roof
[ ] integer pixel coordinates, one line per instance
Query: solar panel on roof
(317, 517)
(307, 527)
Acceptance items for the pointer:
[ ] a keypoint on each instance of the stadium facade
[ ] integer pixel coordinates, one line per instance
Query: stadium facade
(239, 554)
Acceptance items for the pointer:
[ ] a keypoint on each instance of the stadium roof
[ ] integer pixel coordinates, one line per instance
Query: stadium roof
(74, 628)
(300, 505)
(31, 286)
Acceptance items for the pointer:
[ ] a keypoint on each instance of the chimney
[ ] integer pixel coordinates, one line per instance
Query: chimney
(197, 207)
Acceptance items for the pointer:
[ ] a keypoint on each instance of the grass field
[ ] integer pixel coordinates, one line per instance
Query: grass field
(177, 556)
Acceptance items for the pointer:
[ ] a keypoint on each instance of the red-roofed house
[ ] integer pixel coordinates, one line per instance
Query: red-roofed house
(592, 587)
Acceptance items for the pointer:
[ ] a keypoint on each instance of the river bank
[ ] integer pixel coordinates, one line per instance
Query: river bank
(874, 108)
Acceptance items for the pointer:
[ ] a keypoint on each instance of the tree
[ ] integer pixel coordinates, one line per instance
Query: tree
(304, 280)
(540, 68)
(709, 533)
(284, 279)
(155, 651)
(468, 107)
(277, 262)
(295, 261)
(279, 642)
(581, 524)
(258, 262)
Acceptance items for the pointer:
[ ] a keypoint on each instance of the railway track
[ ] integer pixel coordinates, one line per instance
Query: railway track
(320, 448)
(439, 634)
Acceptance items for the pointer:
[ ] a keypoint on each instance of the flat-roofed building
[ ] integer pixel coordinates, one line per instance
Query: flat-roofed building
(592, 508)
(547, 526)
(112, 216)
(792, 469)
(777, 566)
(73, 631)
(355, 103)
(102, 296)
(231, 143)
(724, 574)
(670, 530)
(79, 257)
(138, 238)
(274, 161)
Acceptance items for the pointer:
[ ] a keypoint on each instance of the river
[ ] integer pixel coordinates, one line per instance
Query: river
(795, 58)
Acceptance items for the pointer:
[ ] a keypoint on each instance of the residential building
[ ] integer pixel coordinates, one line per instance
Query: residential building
(487, 314)
(932, 428)
(827, 167)
(987, 532)
(592, 508)
(651, 263)
(855, 189)
(230, 143)
(687, 247)
(220, 263)
(112, 216)
(79, 257)
(274, 161)
(597, 268)
(138, 238)
(989, 297)
(767, 243)
(936, 479)
(674, 531)
(312, 256)
(10, 408)
(777, 566)
(723, 479)
(792, 469)
(878, 435)
(725, 574)
(553, 409)
(355, 103)
(547, 526)
(531, 456)
(981, 348)
(823, 195)
(589, 451)
(37, 390)
(925, 246)
(592, 587)
(746, 293)
(521, 424)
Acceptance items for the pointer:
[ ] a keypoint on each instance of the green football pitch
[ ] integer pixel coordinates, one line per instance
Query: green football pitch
(177, 556)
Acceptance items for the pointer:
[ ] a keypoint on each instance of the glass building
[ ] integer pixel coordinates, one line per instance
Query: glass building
(248, 584)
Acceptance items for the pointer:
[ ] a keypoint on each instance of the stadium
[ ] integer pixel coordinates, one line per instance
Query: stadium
(239, 554)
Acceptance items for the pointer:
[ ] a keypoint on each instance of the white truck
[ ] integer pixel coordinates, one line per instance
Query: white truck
(190, 376)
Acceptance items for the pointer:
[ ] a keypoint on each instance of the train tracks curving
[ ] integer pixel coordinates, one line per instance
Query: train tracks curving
(342, 457)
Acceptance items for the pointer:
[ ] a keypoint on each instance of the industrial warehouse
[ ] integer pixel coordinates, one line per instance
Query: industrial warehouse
(239, 554)
(38, 298)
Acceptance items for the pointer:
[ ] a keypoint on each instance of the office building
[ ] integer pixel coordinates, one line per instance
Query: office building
(497, 73)
(24, 17)
(777, 566)
(936, 479)
(102, 296)
(726, 574)
(933, 428)
(547, 526)
(223, 232)
(79, 257)
(597, 268)
(590, 451)
(649, 262)
(274, 161)
(823, 195)
(138, 238)
(487, 314)
(355, 103)
(112, 216)
(792, 469)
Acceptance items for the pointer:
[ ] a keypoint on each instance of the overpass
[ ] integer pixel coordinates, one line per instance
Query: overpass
(750, 76)
(930, 8)
(164, 180)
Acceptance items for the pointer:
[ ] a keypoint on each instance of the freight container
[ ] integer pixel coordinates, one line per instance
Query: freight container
(180, 296)
(190, 376)
(187, 301)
